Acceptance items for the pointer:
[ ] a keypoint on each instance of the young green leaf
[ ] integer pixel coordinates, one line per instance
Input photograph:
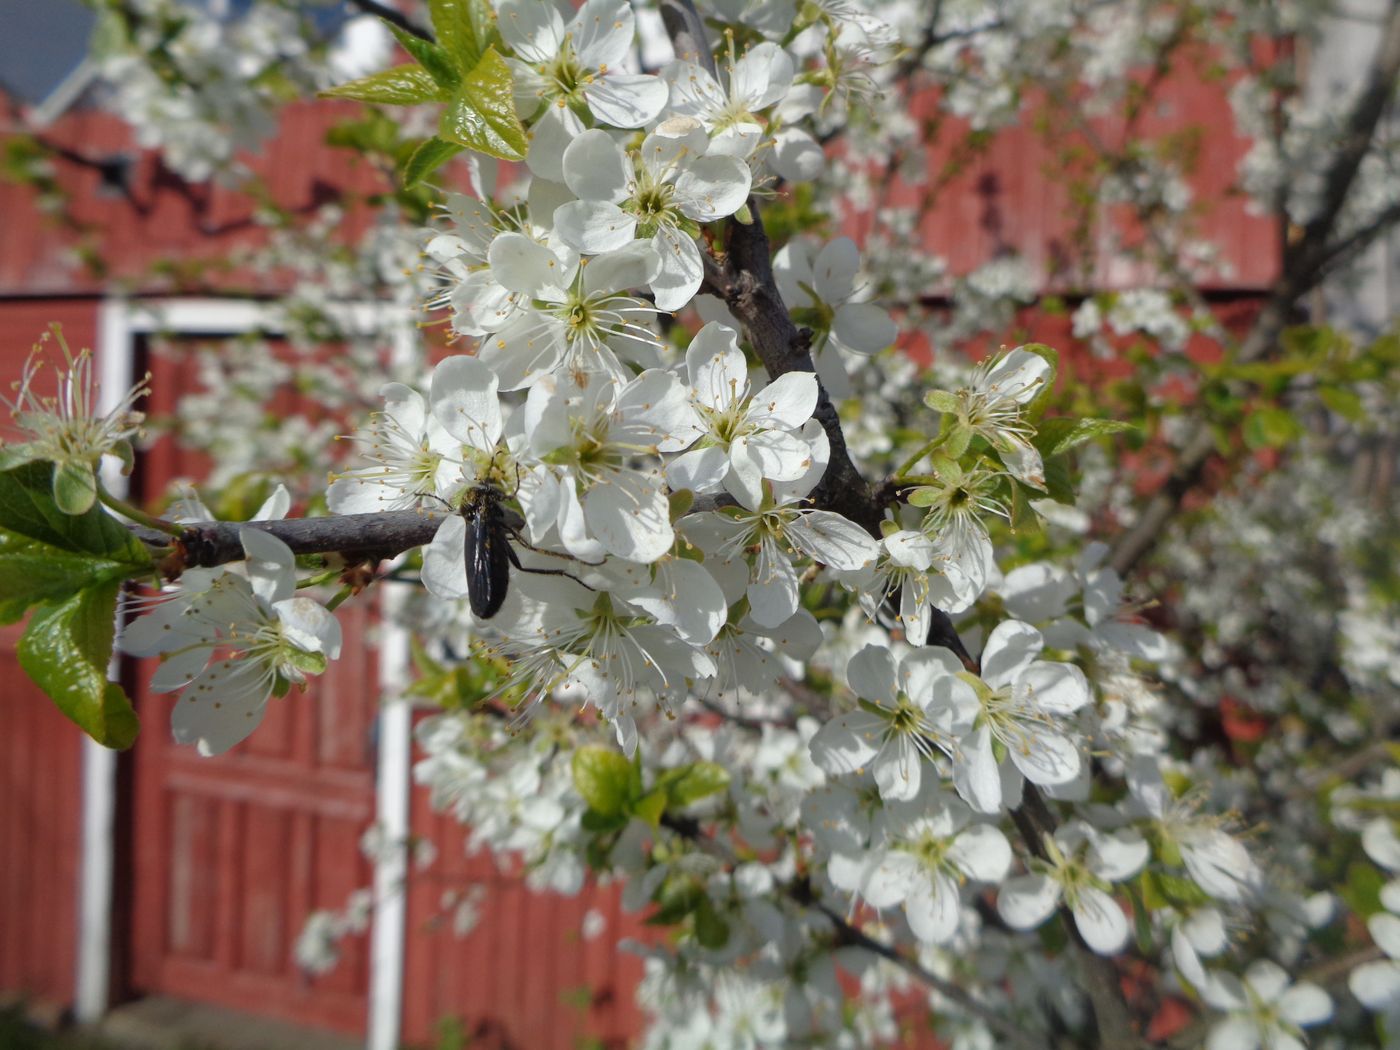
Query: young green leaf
(1054, 436)
(66, 649)
(405, 85)
(481, 116)
(427, 158)
(27, 508)
(602, 778)
(466, 28)
(433, 58)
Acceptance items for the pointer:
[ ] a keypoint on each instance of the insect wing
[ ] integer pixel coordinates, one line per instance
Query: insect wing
(488, 562)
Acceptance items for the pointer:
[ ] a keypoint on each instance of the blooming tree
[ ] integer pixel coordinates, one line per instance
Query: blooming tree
(814, 651)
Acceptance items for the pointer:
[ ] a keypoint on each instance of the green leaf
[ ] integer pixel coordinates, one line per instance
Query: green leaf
(405, 85)
(465, 28)
(1059, 482)
(710, 930)
(1346, 403)
(1023, 515)
(694, 782)
(602, 777)
(1054, 436)
(1271, 428)
(66, 649)
(1362, 891)
(432, 58)
(482, 115)
(27, 508)
(33, 572)
(74, 486)
(651, 807)
(432, 154)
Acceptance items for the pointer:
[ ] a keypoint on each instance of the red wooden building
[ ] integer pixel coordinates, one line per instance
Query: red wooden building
(157, 872)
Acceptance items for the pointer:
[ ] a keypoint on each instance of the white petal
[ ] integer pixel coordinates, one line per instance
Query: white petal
(1021, 459)
(672, 141)
(700, 470)
(718, 373)
(271, 564)
(898, 769)
(465, 399)
(762, 76)
(1037, 592)
(1056, 687)
(603, 32)
(596, 168)
(524, 350)
(982, 853)
(1267, 979)
(828, 537)
(889, 881)
(744, 479)
(1118, 856)
(630, 516)
(310, 625)
(847, 743)
(550, 137)
(680, 271)
(1027, 900)
(1020, 375)
(788, 401)
(1385, 931)
(796, 155)
(1377, 985)
(522, 264)
(1010, 648)
(864, 328)
(533, 30)
(626, 100)
(444, 560)
(594, 227)
(631, 266)
(772, 591)
(779, 456)
(1234, 1033)
(870, 674)
(933, 907)
(221, 707)
(1381, 843)
(975, 772)
(1101, 921)
(1305, 1004)
(834, 271)
(711, 188)
(1046, 758)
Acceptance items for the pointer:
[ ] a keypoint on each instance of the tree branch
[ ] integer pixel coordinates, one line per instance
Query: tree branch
(1304, 266)
(394, 15)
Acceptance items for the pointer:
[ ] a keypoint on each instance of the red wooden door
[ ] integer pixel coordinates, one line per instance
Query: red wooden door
(231, 854)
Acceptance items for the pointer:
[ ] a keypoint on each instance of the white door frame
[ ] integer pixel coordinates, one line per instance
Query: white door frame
(119, 323)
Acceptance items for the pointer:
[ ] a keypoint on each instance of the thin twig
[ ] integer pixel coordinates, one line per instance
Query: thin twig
(394, 15)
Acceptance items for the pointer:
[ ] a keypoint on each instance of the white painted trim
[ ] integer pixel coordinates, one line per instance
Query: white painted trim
(115, 368)
(64, 95)
(393, 786)
(386, 949)
(119, 323)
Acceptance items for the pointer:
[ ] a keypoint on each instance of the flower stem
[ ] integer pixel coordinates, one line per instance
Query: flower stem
(136, 514)
(923, 451)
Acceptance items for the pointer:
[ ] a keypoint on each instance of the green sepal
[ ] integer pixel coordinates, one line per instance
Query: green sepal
(680, 501)
(17, 455)
(431, 57)
(924, 496)
(306, 661)
(65, 650)
(943, 401)
(959, 437)
(481, 115)
(405, 85)
(430, 155)
(74, 486)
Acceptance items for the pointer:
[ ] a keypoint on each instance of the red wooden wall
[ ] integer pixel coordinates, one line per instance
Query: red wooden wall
(40, 756)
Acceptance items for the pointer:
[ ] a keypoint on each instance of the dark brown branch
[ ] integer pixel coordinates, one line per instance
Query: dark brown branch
(1304, 266)
(394, 15)
(686, 29)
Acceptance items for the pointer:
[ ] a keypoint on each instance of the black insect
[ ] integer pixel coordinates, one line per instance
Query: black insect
(489, 554)
(488, 550)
